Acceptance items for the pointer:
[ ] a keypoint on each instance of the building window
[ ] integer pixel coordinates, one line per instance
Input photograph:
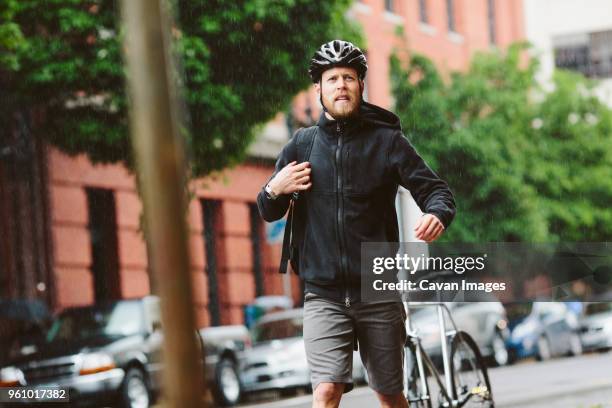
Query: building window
(575, 58)
(104, 243)
(389, 5)
(491, 18)
(589, 54)
(601, 54)
(423, 11)
(450, 10)
(210, 213)
(257, 241)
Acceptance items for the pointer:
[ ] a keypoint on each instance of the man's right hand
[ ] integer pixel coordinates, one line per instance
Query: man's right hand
(293, 177)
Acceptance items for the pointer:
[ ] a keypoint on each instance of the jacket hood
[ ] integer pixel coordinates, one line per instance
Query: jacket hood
(376, 115)
(369, 114)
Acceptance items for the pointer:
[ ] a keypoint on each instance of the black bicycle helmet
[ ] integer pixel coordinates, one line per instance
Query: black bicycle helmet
(337, 53)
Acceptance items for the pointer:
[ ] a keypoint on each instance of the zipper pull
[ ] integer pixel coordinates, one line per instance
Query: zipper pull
(338, 127)
(347, 302)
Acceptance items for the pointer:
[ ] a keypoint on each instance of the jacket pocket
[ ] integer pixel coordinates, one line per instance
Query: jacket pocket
(319, 256)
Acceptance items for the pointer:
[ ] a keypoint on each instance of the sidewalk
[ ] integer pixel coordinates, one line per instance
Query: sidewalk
(577, 382)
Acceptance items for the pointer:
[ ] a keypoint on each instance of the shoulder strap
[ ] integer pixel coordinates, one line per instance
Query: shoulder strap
(309, 137)
(304, 142)
(286, 252)
(305, 137)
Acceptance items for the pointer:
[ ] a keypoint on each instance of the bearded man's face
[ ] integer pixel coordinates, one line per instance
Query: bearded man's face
(340, 90)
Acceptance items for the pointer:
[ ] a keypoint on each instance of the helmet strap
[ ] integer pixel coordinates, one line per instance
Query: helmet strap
(361, 89)
(321, 95)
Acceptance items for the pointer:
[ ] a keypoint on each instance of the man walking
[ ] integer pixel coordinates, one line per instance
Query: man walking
(358, 159)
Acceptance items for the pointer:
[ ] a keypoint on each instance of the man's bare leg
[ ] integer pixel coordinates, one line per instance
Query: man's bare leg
(392, 401)
(327, 395)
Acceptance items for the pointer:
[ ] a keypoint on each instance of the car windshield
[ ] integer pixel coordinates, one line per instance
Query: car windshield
(278, 329)
(117, 319)
(596, 308)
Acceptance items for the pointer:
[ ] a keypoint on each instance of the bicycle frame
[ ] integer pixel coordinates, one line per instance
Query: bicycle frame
(421, 354)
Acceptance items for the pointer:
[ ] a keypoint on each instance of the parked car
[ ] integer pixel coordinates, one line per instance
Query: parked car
(224, 350)
(542, 330)
(596, 326)
(485, 321)
(107, 353)
(21, 320)
(277, 360)
(110, 354)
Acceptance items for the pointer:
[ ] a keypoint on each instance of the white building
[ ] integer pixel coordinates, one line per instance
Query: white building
(572, 34)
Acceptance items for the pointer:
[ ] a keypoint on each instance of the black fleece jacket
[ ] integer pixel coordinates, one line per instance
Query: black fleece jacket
(357, 167)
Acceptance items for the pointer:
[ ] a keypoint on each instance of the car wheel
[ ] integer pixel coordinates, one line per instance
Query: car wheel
(501, 356)
(575, 345)
(134, 390)
(227, 384)
(544, 352)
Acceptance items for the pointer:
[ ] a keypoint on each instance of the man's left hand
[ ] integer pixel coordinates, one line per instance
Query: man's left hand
(429, 228)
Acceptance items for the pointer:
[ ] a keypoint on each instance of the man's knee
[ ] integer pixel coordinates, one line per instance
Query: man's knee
(392, 400)
(327, 392)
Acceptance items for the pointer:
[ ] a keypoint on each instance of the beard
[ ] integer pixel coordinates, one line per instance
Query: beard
(343, 109)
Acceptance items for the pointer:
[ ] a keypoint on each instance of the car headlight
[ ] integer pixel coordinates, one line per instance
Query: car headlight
(11, 377)
(96, 363)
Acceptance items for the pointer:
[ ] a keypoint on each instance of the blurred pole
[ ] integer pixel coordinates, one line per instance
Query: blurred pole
(161, 172)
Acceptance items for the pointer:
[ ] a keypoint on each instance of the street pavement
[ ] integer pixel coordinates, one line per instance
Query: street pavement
(576, 382)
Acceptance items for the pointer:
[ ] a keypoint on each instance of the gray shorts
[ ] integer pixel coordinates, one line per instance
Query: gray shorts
(330, 330)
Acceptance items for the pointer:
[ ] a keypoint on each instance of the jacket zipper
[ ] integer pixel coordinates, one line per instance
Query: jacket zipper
(347, 299)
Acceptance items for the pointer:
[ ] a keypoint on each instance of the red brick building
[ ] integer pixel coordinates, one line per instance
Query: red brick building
(71, 230)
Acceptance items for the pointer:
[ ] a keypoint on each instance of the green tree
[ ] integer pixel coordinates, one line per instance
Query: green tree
(242, 61)
(519, 170)
(10, 36)
(571, 160)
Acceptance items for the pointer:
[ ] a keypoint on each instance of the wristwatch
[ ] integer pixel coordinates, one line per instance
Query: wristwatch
(269, 193)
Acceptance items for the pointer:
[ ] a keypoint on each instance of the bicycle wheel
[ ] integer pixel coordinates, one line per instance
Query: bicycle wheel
(418, 391)
(469, 376)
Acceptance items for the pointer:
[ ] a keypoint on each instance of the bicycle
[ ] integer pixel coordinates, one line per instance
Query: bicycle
(465, 372)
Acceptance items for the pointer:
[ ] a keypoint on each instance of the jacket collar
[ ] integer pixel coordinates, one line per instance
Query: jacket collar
(347, 125)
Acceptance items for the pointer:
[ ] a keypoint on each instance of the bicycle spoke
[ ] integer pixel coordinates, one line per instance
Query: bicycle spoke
(469, 374)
